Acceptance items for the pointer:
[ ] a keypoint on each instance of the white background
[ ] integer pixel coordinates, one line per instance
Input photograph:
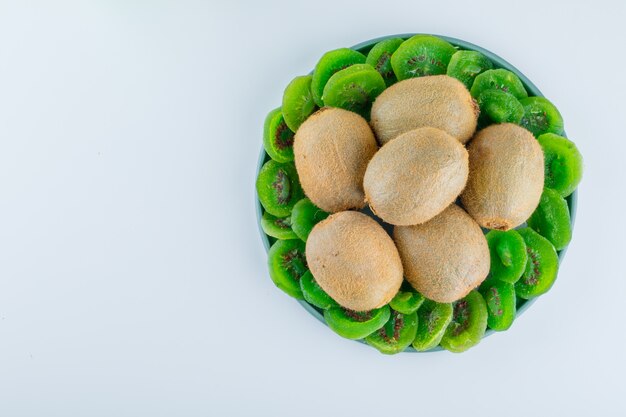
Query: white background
(132, 276)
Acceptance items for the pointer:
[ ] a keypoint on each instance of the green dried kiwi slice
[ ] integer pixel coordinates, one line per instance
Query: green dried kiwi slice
(314, 294)
(356, 324)
(396, 335)
(501, 303)
(354, 89)
(498, 79)
(551, 219)
(330, 63)
(287, 264)
(379, 57)
(541, 116)
(277, 137)
(278, 187)
(298, 103)
(541, 268)
(407, 300)
(421, 55)
(278, 227)
(508, 255)
(564, 163)
(466, 65)
(468, 324)
(304, 216)
(432, 320)
(497, 106)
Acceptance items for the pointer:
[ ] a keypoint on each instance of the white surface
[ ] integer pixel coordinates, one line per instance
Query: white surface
(132, 276)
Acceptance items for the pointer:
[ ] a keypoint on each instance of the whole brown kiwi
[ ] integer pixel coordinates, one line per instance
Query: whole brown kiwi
(332, 149)
(446, 257)
(506, 176)
(416, 176)
(437, 101)
(354, 260)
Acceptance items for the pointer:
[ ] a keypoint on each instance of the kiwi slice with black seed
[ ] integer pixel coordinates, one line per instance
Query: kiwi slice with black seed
(278, 187)
(501, 303)
(508, 255)
(497, 106)
(277, 137)
(278, 227)
(551, 219)
(396, 335)
(379, 57)
(541, 268)
(421, 55)
(432, 320)
(563, 161)
(498, 79)
(287, 264)
(330, 63)
(356, 324)
(354, 89)
(541, 116)
(298, 103)
(468, 324)
(407, 300)
(304, 216)
(466, 65)
(314, 294)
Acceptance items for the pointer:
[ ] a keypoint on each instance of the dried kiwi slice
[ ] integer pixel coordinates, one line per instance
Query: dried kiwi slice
(379, 57)
(278, 187)
(298, 103)
(330, 63)
(356, 324)
(466, 65)
(287, 264)
(278, 227)
(564, 163)
(541, 268)
(501, 303)
(468, 325)
(498, 79)
(541, 116)
(551, 219)
(396, 335)
(508, 255)
(421, 55)
(407, 300)
(497, 106)
(314, 294)
(354, 89)
(277, 137)
(432, 320)
(304, 216)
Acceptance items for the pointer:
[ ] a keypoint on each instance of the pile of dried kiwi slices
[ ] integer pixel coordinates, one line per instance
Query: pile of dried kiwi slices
(523, 261)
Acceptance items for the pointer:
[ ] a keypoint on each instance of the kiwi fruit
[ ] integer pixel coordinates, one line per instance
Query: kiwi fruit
(297, 102)
(551, 219)
(330, 63)
(506, 176)
(396, 335)
(432, 320)
(508, 255)
(444, 258)
(415, 176)
(497, 106)
(499, 79)
(501, 303)
(304, 216)
(354, 260)
(356, 324)
(541, 268)
(332, 149)
(407, 300)
(541, 116)
(468, 324)
(278, 188)
(379, 57)
(563, 163)
(421, 55)
(466, 65)
(287, 264)
(437, 101)
(278, 227)
(314, 294)
(277, 137)
(354, 89)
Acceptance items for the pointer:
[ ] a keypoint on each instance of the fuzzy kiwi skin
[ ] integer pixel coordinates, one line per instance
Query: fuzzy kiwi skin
(506, 176)
(332, 149)
(444, 258)
(437, 101)
(354, 260)
(416, 176)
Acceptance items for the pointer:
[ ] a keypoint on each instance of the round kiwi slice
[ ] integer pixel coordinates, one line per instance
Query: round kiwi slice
(500, 299)
(354, 260)
(421, 55)
(330, 63)
(354, 89)
(541, 116)
(466, 65)
(444, 258)
(297, 102)
(379, 57)
(440, 101)
(506, 176)
(314, 294)
(541, 268)
(468, 325)
(332, 149)
(287, 264)
(304, 216)
(278, 188)
(563, 163)
(416, 176)
(508, 255)
(498, 79)
(278, 227)
(551, 219)
(354, 324)
(396, 335)
(497, 106)
(407, 300)
(277, 137)
(432, 320)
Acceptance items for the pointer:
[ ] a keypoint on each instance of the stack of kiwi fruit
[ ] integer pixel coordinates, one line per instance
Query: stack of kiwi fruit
(415, 194)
